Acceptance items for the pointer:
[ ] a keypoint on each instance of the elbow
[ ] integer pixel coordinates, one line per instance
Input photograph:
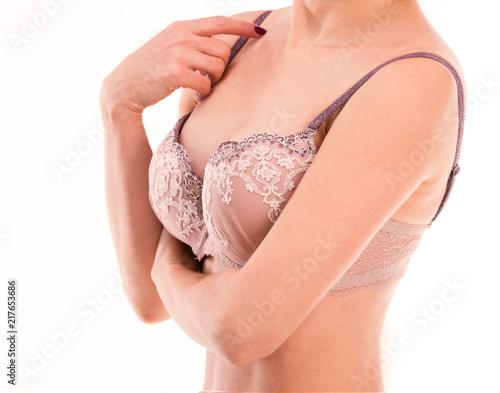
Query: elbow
(152, 317)
(235, 352)
(240, 344)
(147, 307)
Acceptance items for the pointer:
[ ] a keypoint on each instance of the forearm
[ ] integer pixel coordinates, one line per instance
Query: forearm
(134, 227)
(198, 303)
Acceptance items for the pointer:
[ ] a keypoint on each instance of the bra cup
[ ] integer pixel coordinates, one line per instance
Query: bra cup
(174, 197)
(243, 198)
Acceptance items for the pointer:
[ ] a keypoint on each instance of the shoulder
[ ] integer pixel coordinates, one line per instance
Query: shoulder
(415, 79)
(433, 65)
(423, 83)
(186, 101)
(438, 62)
(408, 100)
(431, 78)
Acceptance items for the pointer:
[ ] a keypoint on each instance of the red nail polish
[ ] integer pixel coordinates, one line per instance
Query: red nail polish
(260, 30)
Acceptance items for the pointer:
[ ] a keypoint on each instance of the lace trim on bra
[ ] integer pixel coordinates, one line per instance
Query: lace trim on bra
(230, 149)
(168, 182)
(170, 144)
(404, 228)
(385, 259)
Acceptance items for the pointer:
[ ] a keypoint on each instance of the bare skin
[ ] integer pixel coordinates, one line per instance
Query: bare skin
(337, 345)
(336, 348)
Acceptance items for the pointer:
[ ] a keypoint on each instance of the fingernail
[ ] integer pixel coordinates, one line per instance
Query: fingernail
(260, 30)
(197, 96)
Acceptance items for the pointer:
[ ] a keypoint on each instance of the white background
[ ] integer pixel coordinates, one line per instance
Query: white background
(55, 238)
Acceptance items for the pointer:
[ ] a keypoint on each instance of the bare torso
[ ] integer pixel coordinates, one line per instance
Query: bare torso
(337, 346)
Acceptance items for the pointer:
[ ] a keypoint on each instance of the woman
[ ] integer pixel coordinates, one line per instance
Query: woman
(353, 107)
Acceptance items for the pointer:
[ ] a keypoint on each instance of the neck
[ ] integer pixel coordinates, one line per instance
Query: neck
(342, 22)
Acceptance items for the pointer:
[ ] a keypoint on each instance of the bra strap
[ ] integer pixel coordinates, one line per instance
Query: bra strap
(328, 111)
(242, 40)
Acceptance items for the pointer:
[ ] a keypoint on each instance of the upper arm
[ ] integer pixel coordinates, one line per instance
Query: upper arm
(186, 100)
(343, 199)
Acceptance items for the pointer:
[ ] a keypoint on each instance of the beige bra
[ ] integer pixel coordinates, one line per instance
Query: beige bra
(246, 185)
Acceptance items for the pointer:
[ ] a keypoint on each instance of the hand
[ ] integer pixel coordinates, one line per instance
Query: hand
(179, 56)
(172, 251)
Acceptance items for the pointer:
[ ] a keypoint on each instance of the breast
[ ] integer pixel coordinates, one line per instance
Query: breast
(175, 193)
(246, 186)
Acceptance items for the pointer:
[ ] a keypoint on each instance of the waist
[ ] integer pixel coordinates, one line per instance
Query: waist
(336, 348)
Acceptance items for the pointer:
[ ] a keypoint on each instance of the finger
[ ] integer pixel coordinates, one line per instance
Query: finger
(213, 66)
(220, 24)
(196, 94)
(210, 77)
(213, 47)
(196, 81)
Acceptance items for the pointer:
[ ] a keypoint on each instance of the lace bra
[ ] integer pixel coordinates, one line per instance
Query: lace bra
(247, 184)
